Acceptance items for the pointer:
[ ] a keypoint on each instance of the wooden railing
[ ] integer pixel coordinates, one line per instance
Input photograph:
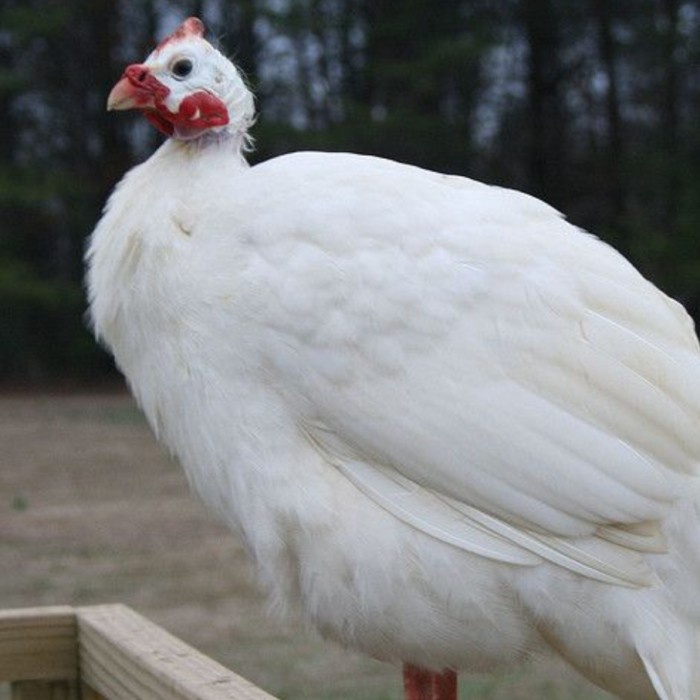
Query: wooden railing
(107, 652)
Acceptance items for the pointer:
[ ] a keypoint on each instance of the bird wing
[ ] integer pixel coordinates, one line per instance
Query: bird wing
(464, 344)
(478, 532)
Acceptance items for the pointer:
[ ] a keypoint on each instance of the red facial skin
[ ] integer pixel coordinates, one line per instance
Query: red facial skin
(200, 110)
(144, 89)
(139, 88)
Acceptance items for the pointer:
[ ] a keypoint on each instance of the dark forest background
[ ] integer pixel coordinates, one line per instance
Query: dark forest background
(592, 105)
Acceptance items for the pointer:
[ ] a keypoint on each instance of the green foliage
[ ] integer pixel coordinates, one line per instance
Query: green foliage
(21, 289)
(41, 327)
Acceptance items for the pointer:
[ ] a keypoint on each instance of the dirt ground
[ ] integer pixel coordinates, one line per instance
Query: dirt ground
(92, 510)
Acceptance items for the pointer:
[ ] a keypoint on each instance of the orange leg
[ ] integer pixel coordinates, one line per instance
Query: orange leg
(419, 684)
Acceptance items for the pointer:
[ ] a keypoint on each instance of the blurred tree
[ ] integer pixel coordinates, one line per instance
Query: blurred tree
(613, 157)
(590, 105)
(53, 174)
(545, 84)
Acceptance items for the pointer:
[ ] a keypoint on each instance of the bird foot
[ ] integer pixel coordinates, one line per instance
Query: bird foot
(420, 684)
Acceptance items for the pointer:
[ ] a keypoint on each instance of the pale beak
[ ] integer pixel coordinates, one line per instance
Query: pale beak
(138, 87)
(122, 95)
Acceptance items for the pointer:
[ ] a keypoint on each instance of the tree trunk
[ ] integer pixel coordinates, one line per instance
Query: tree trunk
(547, 174)
(613, 158)
(670, 112)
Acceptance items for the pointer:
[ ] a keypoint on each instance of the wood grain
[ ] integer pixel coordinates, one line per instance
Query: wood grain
(38, 644)
(113, 653)
(123, 656)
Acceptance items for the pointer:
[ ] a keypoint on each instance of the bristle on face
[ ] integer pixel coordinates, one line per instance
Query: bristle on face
(192, 26)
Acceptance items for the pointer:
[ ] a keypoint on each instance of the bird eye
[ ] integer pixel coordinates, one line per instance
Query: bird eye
(182, 68)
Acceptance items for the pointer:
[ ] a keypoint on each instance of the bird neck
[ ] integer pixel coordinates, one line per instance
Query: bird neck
(227, 141)
(214, 154)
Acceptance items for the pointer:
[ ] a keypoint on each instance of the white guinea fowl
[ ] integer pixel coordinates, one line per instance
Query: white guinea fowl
(453, 428)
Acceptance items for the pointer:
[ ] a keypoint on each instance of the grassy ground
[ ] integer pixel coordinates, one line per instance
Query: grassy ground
(93, 511)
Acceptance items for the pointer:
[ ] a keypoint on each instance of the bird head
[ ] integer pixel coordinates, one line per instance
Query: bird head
(186, 88)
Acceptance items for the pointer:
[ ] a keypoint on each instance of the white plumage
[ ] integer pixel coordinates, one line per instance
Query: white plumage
(453, 427)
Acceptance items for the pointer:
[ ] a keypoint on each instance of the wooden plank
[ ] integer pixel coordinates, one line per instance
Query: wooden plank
(123, 656)
(87, 693)
(44, 690)
(38, 644)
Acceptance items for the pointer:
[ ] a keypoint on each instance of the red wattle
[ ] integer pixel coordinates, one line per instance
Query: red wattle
(201, 110)
(162, 124)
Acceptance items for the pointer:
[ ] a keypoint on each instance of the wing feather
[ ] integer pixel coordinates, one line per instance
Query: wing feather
(479, 533)
(487, 353)
(474, 531)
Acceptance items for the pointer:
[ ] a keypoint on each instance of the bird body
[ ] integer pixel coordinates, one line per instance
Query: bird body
(453, 428)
